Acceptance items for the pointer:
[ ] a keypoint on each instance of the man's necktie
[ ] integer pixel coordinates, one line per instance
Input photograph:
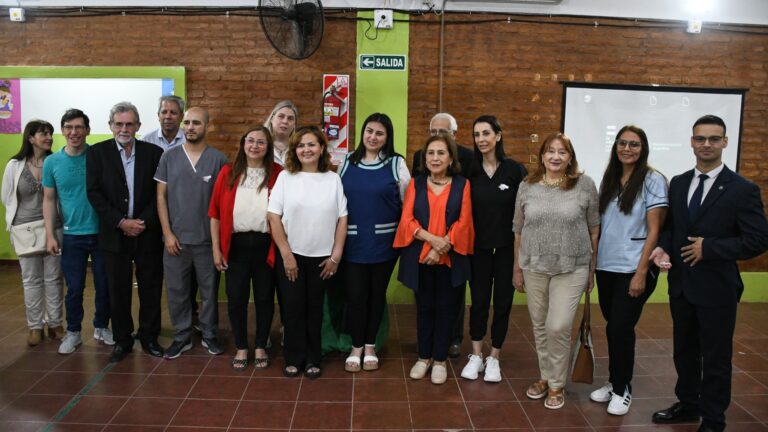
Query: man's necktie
(695, 204)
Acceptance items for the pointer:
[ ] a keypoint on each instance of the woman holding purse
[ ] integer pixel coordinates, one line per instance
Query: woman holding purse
(22, 195)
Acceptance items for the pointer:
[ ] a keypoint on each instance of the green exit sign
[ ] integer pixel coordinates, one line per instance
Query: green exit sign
(382, 62)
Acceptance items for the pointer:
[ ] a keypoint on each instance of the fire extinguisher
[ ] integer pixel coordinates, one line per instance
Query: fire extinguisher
(332, 113)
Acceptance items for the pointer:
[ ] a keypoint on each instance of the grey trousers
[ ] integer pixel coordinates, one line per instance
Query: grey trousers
(178, 284)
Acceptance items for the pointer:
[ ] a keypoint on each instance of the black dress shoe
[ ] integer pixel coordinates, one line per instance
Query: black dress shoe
(677, 413)
(120, 352)
(151, 347)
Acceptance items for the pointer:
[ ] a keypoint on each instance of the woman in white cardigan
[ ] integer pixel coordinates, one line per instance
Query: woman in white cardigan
(22, 195)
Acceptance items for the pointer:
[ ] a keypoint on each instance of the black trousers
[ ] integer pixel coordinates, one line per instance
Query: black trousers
(149, 276)
(491, 275)
(366, 288)
(622, 312)
(457, 330)
(703, 347)
(302, 310)
(435, 311)
(248, 269)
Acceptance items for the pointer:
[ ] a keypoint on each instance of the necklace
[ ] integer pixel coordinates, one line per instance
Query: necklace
(552, 184)
(439, 183)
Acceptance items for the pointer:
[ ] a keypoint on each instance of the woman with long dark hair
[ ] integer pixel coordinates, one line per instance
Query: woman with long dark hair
(374, 179)
(22, 195)
(242, 245)
(495, 180)
(556, 227)
(633, 205)
(308, 218)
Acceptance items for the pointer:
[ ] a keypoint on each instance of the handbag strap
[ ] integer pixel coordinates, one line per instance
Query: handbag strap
(585, 327)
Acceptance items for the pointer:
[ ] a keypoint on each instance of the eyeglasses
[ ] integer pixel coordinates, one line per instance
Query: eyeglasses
(70, 128)
(121, 125)
(435, 132)
(714, 139)
(255, 142)
(622, 143)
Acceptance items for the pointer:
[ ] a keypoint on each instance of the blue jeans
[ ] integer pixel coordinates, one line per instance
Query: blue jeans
(74, 264)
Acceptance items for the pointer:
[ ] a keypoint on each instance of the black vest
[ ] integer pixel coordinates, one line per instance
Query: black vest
(408, 273)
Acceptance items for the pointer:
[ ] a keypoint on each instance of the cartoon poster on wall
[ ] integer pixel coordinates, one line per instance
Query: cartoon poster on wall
(10, 106)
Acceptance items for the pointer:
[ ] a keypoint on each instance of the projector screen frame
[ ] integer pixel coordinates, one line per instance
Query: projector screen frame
(659, 88)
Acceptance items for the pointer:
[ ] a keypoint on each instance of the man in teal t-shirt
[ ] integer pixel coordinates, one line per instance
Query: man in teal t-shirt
(64, 184)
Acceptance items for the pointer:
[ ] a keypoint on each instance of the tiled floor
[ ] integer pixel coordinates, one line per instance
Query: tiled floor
(41, 390)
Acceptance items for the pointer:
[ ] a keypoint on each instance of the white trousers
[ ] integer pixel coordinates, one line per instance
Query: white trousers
(43, 289)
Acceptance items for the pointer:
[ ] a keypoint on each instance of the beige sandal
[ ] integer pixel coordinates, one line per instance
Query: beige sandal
(537, 390)
(555, 399)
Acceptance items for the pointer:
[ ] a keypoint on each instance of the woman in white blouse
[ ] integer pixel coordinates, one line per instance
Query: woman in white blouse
(242, 245)
(308, 217)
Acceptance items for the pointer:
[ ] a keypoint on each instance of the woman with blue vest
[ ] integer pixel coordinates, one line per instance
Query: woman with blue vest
(436, 235)
(374, 179)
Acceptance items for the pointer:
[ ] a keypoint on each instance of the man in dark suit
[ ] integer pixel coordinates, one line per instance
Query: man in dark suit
(446, 123)
(715, 218)
(121, 188)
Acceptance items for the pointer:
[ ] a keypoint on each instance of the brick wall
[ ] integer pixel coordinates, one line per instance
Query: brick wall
(510, 70)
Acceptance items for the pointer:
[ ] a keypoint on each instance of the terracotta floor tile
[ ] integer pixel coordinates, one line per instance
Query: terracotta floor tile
(388, 368)
(380, 390)
(137, 363)
(147, 411)
(18, 381)
(495, 415)
(540, 417)
(172, 386)
(81, 362)
(61, 383)
(272, 389)
(424, 391)
(21, 426)
(328, 390)
(756, 406)
(521, 368)
(38, 361)
(202, 412)
(322, 415)
(750, 362)
(439, 415)
(639, 414)
(390, 415)
(261, 414)
(222, 366)
(117, 385)
(34, 407)
(76, 427)
(94, 409)
(219, 387)
(479, 390)
(133, 428)
(184, 365)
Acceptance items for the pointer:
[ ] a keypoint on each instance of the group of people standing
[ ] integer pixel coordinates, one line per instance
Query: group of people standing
(280, 220)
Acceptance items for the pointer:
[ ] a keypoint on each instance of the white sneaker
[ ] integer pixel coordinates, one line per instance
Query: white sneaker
(70, 342)
(104, 334)
(492, 370)
(619, 404)
(474, 365)
(603, 394)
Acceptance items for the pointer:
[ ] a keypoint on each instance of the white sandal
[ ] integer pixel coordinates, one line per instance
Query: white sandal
(370, 362)
(352, 364)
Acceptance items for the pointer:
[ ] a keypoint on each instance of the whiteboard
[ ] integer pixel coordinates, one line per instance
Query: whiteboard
(593, 114)
(49, 98)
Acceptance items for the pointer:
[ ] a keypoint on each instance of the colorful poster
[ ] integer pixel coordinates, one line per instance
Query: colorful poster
(10, 106)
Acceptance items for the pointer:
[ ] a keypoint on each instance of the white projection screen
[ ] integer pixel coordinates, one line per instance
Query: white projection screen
(594, 113)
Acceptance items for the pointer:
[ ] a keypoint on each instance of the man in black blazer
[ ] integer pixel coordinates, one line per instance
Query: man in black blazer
(122, 190)
(446, 123)
(715, 218)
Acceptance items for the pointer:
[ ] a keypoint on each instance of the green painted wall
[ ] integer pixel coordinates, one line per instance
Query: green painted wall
(10, 143)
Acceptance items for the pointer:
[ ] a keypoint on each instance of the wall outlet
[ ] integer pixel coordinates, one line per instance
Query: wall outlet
(383, 18)
(16, 14)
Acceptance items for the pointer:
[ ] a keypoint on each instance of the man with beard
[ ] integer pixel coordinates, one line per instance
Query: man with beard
(119, 178)
(186, 175)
